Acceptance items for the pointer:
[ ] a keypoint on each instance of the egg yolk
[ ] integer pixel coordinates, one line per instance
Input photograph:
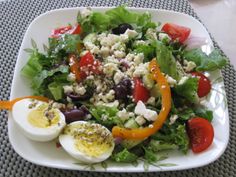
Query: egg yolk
(43, 116)
(91, 139)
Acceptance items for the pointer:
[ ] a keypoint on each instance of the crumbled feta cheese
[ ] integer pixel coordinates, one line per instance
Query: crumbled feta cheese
(123, 114)
(141, 70)
(68, 88)
(118, 76)
(172, 82)
(183, 80)
(85, 12)
(189, 65)
(130, 57)
(140, 120)
(131, 33)
(58, 105)
(151, 101)
(138, 58)
(151, 34)
(130, 71)
(111, 104)
(110, 68)
(148, 81)
(164, 36)
(140, 42)
(119, 54)
(173, 118)
(150, 115)
(109, 96)
(150, 126)
(80, 90)
(71, 77)
(105, 51)
(124, 38)
(140, 108)
(118, 46)
(91, 47)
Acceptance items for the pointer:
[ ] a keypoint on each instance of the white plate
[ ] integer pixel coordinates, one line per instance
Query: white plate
(47, 154)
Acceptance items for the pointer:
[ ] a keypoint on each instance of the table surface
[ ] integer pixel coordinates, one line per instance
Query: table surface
(219, 16)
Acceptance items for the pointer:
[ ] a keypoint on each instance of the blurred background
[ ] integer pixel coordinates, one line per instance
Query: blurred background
(219, 16)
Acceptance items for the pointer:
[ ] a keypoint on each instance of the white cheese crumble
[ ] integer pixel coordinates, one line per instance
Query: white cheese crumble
(138, 58)
(148, 114)
(119, 54)
(105, 51)
(172, 82)
(131, 33)
(80, 90)
(85, 12)
(141, 70)
(71, 77)
(151, 101)
(68, 89)
(110, 68)
(183, 80)
(140, 120)
(151, 34)
(173, 118)
(163, 36)
(189, 65)
(123, 114)
(118, 76)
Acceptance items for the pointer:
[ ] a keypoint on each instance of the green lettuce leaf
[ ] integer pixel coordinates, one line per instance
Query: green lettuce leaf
(204, 113)
(124, 156)
(149, 51)
(205, 62)
(33, 66)
(175, 134)
(156, 146)
(39, 79)
(99, 22)
(188, 89)
(166, 60)
(105, 115)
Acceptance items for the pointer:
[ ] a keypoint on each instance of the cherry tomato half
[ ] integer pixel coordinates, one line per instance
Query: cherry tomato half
(76, 30)
(176, 32)
(59, 31)
(140, 92)
(204, 84)
(88, 65)
(201, 134)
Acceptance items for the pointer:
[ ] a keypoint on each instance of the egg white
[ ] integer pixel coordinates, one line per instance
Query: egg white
(20, 113)
(68, 143)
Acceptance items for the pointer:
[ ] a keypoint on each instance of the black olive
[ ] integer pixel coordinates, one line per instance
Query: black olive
(123, 89)
(121, 28)
(74, 115)
(76, 97)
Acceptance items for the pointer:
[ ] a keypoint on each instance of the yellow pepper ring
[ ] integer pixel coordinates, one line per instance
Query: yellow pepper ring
(142, 133)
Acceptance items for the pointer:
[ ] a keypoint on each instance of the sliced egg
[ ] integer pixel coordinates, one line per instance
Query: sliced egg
(87, 142)
(38, 120)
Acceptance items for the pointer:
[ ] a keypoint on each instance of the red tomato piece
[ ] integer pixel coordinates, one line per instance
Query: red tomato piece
(59, 31)
(204, 84)
(201, 134)
(140, 92)
(88, 64)
(76, 30)
(176, 32)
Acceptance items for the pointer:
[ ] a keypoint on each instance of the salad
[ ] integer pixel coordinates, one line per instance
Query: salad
(118, 86)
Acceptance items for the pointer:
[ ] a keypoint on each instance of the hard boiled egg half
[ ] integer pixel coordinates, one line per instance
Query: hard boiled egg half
(38, 120)
(87, 142)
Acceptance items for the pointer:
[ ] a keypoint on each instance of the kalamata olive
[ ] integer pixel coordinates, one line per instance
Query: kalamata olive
(123, 89)
(118, 140)
(121, 28)
(76, 97)
(74, 115)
